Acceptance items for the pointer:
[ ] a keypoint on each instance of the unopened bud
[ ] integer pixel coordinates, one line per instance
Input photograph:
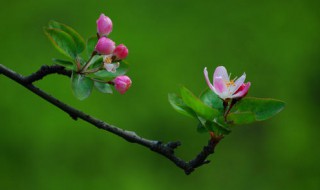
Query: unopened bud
(122, 83)
(121, 51)
(104, 25)
(105, 46)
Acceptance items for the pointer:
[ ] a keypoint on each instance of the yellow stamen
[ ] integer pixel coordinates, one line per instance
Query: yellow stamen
(230, 83)
(108, 60)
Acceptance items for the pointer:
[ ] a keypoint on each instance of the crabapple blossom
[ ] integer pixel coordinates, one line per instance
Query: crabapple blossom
(226, 88)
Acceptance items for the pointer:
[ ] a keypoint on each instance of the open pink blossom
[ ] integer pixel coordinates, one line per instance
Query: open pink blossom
(122, 83)
(226, 88)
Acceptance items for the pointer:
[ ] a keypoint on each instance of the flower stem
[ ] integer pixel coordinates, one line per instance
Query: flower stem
(93, 70)
(85, 67)
(232, 103)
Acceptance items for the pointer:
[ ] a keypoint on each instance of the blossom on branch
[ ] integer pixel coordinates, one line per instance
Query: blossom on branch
(224, 87)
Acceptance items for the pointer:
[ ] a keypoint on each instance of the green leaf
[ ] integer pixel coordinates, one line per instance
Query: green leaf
(123, 68)
(211, 99)
(81, 86)
(91, 44)
(261, 108)
(66, 64)
(96, 62)
(79, 41)
(198, 106)
(178, 105)
(241, 118)
(103, 87)
(62, 41)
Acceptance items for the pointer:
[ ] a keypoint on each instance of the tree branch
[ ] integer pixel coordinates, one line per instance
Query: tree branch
(164, 149)
(46, 70)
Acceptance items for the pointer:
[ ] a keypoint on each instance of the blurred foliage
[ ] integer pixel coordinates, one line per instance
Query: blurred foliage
(276, 43)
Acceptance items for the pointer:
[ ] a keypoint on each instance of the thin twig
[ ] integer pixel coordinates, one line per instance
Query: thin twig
(165, 149)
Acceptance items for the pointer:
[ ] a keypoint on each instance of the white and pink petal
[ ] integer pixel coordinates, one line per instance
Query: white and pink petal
(233, 88)
(205, 72)
(221, 71)
(219, 85)
(111, 67)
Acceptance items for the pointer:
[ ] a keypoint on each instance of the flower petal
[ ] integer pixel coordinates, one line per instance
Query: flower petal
(219, 85)
(221, 71)
(237, 84)
(242, 91)
(111, 67)
(207, 80)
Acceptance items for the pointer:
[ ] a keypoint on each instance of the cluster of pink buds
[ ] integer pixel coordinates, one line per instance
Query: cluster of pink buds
(112, 54)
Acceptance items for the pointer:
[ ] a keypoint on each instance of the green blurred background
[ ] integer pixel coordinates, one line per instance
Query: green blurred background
(277, 43)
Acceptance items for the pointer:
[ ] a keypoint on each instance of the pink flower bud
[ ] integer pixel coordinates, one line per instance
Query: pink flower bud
(121, 51)
(105, 46)
(104, 25)
(122, 83)
(243, 90)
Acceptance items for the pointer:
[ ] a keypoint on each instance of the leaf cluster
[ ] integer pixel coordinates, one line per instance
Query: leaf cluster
(215, 115)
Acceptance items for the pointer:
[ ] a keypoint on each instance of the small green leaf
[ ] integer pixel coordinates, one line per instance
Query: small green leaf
(81, 86)
(91, 44)
(262, 108)
(123, 68)
(178, 104)
(66, 64)
(62, 41)
(79, 41)
(103, 87)
(211, 99)
(198, 106)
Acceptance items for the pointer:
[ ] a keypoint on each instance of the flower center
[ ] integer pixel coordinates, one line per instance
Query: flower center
(230, 83)
(108, 60)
